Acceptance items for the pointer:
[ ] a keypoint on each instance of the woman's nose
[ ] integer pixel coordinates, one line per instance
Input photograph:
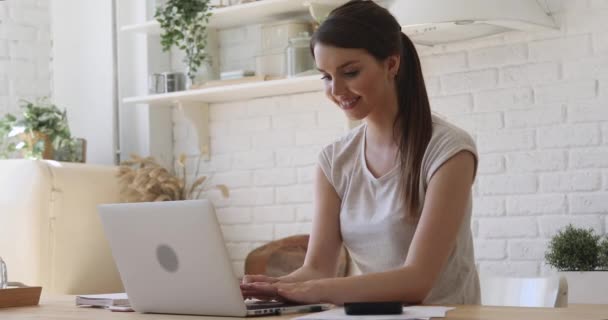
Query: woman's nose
(337, 88)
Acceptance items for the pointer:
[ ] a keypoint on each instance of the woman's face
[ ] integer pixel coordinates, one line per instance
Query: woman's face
(354, 80)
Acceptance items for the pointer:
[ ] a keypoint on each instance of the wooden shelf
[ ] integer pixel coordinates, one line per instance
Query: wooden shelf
(149, 27)
(235, 92)
(244, 14)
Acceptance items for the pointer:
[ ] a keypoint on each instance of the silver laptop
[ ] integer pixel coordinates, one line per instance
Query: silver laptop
(172, 259)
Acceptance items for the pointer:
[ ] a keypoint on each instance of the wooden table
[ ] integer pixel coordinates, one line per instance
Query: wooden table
(63, 308)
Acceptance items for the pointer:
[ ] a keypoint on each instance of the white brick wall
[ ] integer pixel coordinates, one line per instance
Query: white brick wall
(437, 64)
(25, 51)
(537, 117)
(530, 73)
(506, 140)
(566, 91)
(473, 80)
(510, 98)
(492, 163)
(527, 249)
(489, 206)
(536, 204)
(452, 105)
(537, 105)
(498, 56)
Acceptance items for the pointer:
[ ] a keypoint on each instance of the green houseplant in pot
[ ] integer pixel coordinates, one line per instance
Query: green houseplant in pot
(184, 26)
(603, 255)
(40, 132)
(582, 257)
(7, 146)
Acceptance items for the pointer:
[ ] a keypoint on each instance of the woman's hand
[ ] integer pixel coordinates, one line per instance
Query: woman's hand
(301, 292)
(268, 288)
(259, 287)
(250, 278)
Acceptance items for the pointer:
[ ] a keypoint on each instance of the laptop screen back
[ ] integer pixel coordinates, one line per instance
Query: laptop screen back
(172, 258)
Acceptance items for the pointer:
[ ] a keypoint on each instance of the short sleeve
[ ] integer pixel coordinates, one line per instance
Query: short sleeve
(446, 143)
(325, 163)
(338, 159)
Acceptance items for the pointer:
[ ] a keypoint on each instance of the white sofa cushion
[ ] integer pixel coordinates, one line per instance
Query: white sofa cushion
(52, 235)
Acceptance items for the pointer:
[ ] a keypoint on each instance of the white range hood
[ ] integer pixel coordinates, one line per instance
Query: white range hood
(431, 22)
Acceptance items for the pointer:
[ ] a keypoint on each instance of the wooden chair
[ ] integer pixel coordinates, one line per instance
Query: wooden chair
(551, 292)
(280, 257)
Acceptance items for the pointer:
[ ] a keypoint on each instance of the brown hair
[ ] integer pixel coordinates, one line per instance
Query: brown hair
(362, 24)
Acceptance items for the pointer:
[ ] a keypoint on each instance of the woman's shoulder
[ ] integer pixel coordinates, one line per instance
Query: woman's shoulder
(446, 132)
(447, 140)
(346, 142)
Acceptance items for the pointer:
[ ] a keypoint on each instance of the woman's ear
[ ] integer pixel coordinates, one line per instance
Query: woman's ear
(393, 64)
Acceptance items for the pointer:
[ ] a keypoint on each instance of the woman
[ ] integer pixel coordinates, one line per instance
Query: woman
(396, 191)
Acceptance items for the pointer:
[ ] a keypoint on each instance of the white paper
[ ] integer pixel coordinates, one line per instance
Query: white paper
(109, 296)
(409, 313)
(103, 300)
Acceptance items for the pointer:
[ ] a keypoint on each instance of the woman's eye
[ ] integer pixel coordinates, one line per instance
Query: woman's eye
(351, 74)
(326, 77)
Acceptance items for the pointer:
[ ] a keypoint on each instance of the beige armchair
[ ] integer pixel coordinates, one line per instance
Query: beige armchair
(50, 232)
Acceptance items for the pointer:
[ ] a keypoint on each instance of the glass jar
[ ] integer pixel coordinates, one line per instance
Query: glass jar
(3, 277)
(298, 55)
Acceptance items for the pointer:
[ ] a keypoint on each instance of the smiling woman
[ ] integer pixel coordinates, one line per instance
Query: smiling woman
(353, 82)
(395, 191)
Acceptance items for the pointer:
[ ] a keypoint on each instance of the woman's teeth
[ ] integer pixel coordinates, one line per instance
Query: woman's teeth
(348, 104)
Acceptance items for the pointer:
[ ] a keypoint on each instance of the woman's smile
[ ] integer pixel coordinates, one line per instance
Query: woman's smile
(348, 104)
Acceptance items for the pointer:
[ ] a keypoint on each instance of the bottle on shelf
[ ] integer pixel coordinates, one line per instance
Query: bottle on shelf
(3, 277)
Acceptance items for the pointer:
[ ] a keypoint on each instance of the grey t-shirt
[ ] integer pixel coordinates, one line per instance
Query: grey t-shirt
(373, 219)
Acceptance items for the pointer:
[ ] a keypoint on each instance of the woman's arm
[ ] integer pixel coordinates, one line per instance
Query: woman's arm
(444, 210)
(325, 240)
(323, 246)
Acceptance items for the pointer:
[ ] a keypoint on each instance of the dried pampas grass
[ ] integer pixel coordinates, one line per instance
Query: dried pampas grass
(145, 180)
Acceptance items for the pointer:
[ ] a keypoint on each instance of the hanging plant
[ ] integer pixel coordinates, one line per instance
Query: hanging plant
(184, 25)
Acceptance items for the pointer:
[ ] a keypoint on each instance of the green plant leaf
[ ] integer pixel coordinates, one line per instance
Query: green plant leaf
(603, 254)
(573, 249)
(40, 116)
(183, 24)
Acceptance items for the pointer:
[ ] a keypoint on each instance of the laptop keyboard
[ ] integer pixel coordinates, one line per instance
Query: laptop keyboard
(256, 305)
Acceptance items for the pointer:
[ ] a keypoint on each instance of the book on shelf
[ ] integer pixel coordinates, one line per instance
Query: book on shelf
(103, 300)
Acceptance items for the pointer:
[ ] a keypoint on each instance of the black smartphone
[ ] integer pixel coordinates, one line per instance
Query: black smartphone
(369, 308)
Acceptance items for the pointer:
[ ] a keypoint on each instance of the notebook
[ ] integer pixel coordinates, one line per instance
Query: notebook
(103, 300)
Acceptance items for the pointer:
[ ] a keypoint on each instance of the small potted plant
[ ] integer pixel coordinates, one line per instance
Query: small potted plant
(7, 146)
(603, 254)
(184, 26)
(40, 132)
(582, 257)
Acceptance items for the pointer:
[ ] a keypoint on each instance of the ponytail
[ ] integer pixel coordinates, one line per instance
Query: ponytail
(413, 126)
